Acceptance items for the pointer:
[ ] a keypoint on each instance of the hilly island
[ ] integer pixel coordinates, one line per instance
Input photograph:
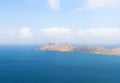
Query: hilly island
(66, 47)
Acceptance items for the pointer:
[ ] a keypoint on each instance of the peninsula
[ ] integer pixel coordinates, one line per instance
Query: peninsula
(66, 47)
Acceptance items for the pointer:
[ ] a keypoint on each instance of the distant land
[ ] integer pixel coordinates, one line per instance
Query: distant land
(66, 47)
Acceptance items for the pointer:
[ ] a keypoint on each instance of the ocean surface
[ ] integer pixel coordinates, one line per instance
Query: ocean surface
(24, 64)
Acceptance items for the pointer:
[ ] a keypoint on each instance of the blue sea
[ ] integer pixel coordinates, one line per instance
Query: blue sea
(24, 64)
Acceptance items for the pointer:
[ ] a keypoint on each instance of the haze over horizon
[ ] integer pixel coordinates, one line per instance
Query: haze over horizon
(73, 21)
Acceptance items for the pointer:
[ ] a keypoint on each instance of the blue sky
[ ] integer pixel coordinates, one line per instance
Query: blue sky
(74, 21)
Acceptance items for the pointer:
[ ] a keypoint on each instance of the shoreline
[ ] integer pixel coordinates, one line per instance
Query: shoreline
(66, 47)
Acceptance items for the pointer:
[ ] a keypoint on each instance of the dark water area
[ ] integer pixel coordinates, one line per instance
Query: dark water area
(24, 64)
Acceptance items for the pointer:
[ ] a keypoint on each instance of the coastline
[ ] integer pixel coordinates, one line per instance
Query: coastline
(66, 47)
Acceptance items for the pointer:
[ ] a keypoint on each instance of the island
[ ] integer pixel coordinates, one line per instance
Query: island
(66, 47)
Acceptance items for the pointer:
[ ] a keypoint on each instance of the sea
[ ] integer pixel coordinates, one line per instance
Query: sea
(25, 64)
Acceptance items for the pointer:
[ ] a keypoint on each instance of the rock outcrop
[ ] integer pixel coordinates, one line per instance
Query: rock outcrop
(115, 51)
(93, 49)
(69, 48)
(49, 46)
(52, 46)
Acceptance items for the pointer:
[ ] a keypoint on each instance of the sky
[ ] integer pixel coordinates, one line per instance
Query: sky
(93, 22)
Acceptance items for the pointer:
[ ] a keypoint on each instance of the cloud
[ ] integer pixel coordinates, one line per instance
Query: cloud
(58, 34)
(55, 32)
(100, 35)
(102, 3)
(12, 31)
(95, 4)
(1, 33)
(89, 35)
(25, 32)
(7, 33)
(54, 4)
(100, 32)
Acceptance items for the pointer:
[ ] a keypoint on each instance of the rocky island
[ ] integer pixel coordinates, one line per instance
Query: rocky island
(55, 47)
(66, 47)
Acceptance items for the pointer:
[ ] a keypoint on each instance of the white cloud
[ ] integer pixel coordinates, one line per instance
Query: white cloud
(102, 3)
(56, 32)
(94, 4)
(5, 33)
(89, 35)
(25, 32)
(54, 4)
(103, 32)
(11, 33)
(1, 32)
(100, 35)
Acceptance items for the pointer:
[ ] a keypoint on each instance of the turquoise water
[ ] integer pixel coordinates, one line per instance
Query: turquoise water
(24, 64)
